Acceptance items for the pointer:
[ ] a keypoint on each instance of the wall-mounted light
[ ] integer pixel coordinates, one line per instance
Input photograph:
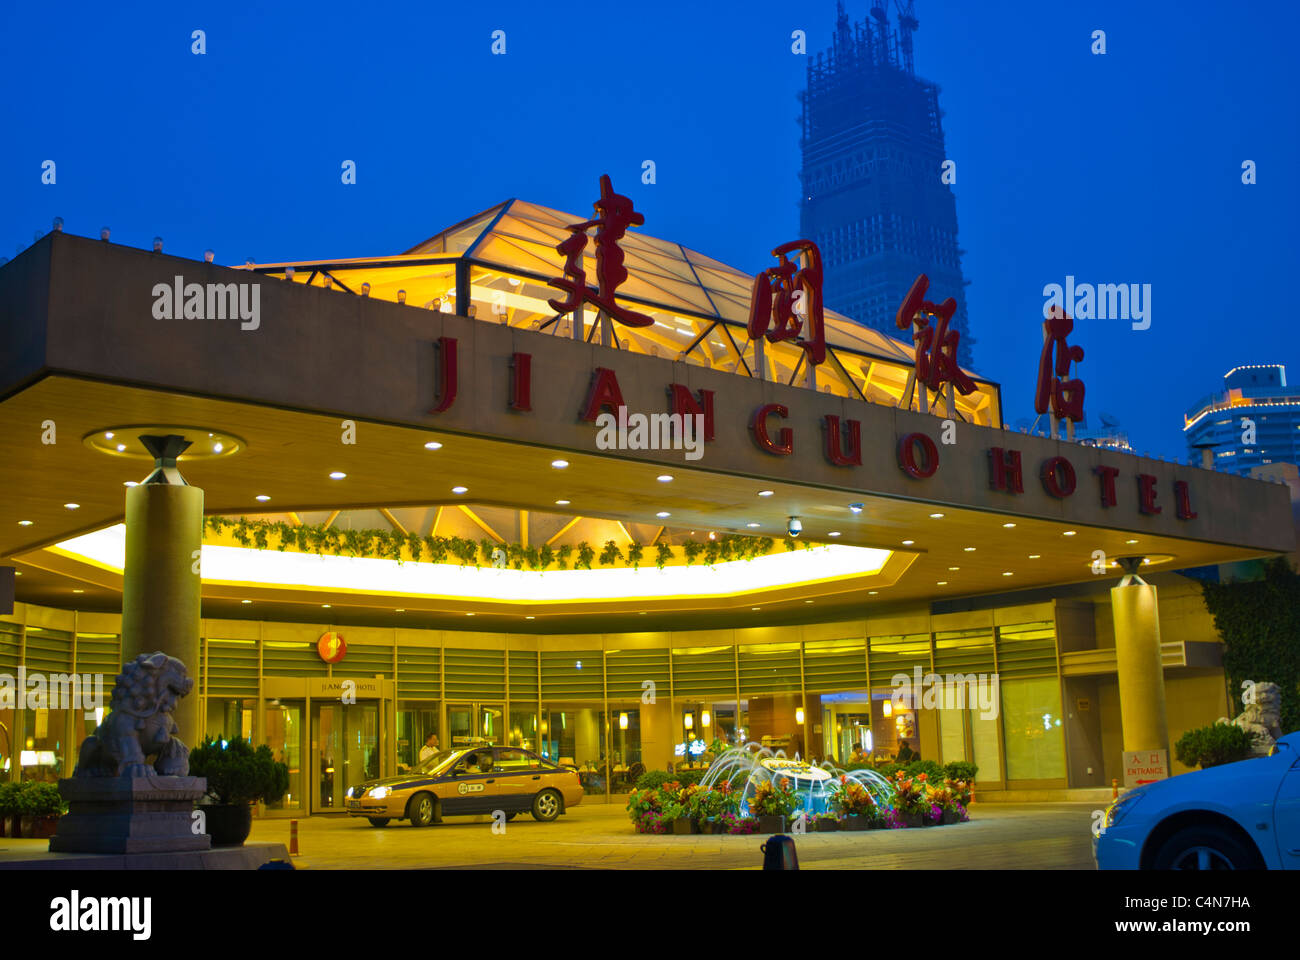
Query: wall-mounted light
(58, 224)
(689, 720)
(622, 721)
(401, 296)
(887, 708)
(157, 244)
(798, 715)
(288, 273)
(104, 234)
(365, 289)
(208, 256)
(704, 718)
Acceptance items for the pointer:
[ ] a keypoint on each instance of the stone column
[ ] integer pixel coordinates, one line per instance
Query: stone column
(160, 585)
(1137, 655)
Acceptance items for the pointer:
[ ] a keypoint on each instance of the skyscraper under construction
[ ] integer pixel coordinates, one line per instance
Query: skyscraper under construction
(875, 200)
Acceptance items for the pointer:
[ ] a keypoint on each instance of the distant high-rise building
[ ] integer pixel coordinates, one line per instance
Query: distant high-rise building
(1253, 422)
(874, 198)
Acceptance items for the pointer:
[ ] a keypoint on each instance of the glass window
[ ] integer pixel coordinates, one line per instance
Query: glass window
(229, 719)
(418, 732)
(523, 726)
(1031, 723)
(625, 746)
(284, 735)
(45, 745)
(510, 758)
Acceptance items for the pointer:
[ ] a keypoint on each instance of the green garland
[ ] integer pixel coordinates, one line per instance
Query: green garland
(1259, 621)
(392, 545)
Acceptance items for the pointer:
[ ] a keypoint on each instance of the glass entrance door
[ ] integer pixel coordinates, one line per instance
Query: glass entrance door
(472, 723)
(345, 750)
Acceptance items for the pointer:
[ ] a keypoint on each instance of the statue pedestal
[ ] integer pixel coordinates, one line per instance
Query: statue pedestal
(129, 815)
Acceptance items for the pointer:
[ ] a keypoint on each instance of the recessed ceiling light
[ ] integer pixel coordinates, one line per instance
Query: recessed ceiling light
(460, 489)
(217, 448)
(433, 445)
(908, 543)
(337, 475)
(1130, 541)
(469, 614)
(665, 478)
(559, 464)
(109, 435)
(24, 523)
(400, 610)
(1068, 533)
(833, 533)
(766, 493)
(530, 618)
(936, 516)
(78, 591)
(325, 606)
(1008, 526)
(1006, 573)
(969, 549)
(872, 592)
(855, 507)
(941, 583)
(643, 613)
(562, 503)
(807, 601)
(262, 497)
(954, 568)
(662, 514)
(753, 608)
(130, 483)
(72, 506)
(245, 601)
(1034, 556)
(121, 447)
(752, 525)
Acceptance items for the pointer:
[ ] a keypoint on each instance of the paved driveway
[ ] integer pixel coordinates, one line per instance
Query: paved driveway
(998, 837)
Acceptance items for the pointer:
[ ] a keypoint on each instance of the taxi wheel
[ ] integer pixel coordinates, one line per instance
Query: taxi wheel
(546, 806)
(422, 809)
(378, 821)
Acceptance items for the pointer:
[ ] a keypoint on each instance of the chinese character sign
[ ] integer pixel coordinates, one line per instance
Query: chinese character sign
(614, 214)
(788, 296)
(1065, 396)
(935, 362)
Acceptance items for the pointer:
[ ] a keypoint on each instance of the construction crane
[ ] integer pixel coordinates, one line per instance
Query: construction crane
(907, 24)
(884, 49)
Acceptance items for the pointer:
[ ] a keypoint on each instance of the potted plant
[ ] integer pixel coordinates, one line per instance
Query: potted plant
(41, 805)
(238, 776)
(853, 803)
(825, 822)
(678, 815)
(11, 809)
(773, 802)
(909, 799)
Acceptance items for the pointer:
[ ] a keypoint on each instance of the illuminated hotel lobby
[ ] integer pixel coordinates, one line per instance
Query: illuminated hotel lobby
(397, 470)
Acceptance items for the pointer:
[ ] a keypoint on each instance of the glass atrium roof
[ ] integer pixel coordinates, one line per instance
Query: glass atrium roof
(700, 306)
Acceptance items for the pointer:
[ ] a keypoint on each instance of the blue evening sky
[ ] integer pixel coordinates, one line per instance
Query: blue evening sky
(1117, 168)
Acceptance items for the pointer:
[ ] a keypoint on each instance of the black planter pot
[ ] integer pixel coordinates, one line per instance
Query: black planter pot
(951, 817)
(229, 824)
(683, 826)
(853, 822)
(827, 826)
(771, 824)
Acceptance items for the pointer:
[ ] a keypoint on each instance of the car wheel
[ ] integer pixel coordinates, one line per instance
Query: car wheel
(546, 806)
(422, 809)
(378, 821)
(1205, 848)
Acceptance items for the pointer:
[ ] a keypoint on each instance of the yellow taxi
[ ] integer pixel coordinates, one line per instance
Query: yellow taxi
(467, 781)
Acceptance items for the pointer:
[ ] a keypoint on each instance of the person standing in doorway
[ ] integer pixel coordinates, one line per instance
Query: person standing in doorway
(430, 747)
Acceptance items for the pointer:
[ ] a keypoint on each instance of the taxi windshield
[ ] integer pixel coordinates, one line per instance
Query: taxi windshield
(439, 759)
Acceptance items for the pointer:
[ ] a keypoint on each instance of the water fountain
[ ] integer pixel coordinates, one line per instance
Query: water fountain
(748, 765)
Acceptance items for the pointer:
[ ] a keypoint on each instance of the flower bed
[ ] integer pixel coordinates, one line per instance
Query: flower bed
(673, 807)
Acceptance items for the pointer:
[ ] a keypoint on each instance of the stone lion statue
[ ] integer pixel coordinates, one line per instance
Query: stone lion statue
(140, 724)
(1263, 718)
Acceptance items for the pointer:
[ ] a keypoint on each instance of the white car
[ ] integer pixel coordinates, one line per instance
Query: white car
(1238, 816)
